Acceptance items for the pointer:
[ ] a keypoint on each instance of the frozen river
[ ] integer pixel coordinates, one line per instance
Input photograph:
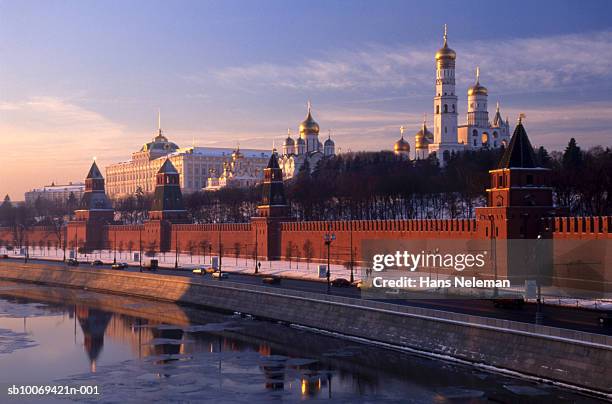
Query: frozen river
(136, 350)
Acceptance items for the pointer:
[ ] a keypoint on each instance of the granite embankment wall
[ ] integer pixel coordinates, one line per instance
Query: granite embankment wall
(577, 358)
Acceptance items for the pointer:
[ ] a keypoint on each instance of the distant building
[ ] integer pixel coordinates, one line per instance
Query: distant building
(56, 193)
(193, 164)
(307, 150)
(448, 136)
(240, 172)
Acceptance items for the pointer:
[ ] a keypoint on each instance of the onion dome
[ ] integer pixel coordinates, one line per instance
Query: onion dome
(445, 53)
(401, 146)
(477, 89)
(289, 141)
(329, 142)
(423, 137)
(301, 141)
(309, 125)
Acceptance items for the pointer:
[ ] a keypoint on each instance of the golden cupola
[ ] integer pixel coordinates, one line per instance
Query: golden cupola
(445, 54)
(477, 89)
(401, 146)
(423, 138)
(309, 125)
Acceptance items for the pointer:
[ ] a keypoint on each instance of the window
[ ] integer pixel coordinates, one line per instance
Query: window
(475, 133)
(437, 109)
(445, 108)
(454, 108)
(445, 130)
(529, 179)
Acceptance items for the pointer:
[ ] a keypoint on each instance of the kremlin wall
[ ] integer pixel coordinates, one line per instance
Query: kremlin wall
(520, 207)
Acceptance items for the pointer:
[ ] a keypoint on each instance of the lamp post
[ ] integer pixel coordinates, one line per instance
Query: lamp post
(256, 252)
(176, 248)
(140, 249)
(328, 238)
(351, 256)
(115, 248)
(494, 252)
(539, 315)
(219, 247)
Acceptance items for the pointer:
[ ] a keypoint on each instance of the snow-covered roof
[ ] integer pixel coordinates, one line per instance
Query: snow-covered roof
(222, 152)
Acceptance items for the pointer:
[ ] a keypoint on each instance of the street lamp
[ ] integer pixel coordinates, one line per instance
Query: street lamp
(115, 248)
(176, 248)
(539, 315)
(140, 249)
(256, 252)
(328, 238)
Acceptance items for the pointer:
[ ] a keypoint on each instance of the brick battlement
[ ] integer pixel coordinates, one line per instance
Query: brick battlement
(581, 227)
(410, 225)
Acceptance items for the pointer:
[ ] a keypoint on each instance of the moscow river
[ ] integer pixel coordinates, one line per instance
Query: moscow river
(137, 350)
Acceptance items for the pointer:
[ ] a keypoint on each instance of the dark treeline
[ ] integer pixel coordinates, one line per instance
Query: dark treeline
(382, 185)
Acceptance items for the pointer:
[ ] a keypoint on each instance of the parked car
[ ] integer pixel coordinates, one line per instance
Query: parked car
(271, 280)
(4, 256)
(151, 264)
(198, 271)
(96, 263)
(219, 275)
(119, 265)
(340, 283)
(72, 262)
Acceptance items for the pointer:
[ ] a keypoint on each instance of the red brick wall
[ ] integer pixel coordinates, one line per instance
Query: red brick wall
(581, 228)
(298, 233)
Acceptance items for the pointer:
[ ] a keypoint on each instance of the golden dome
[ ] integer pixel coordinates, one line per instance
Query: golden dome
(423, 138)
(477, 89)
(309, 125)
(445, 52)
(401, 146)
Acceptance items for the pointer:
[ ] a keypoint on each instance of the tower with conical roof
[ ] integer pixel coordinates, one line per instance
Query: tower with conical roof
(271, 212)
(168, 199)
(519, 201)
(94, 204)
(95, 212)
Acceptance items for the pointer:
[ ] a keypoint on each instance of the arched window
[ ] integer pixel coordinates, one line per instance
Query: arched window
(494, 135)
(437, 109)
(445, 129)
(454, 108)
(475, 133)
(445, 108)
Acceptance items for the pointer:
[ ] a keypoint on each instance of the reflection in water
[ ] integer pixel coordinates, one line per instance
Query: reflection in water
(176, 353)
(93, 324)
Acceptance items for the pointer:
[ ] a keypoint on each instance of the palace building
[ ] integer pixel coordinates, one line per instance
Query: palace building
(193, 164)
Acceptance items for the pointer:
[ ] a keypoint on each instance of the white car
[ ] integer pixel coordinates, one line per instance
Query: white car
(219, 275)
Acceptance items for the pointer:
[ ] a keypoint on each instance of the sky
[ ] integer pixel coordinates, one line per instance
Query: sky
(84, 79)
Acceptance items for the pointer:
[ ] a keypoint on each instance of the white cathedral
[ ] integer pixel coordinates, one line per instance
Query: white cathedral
(448, 136)
(306, 150)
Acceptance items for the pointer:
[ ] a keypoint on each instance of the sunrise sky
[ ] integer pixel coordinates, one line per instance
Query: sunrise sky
(80, 79)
